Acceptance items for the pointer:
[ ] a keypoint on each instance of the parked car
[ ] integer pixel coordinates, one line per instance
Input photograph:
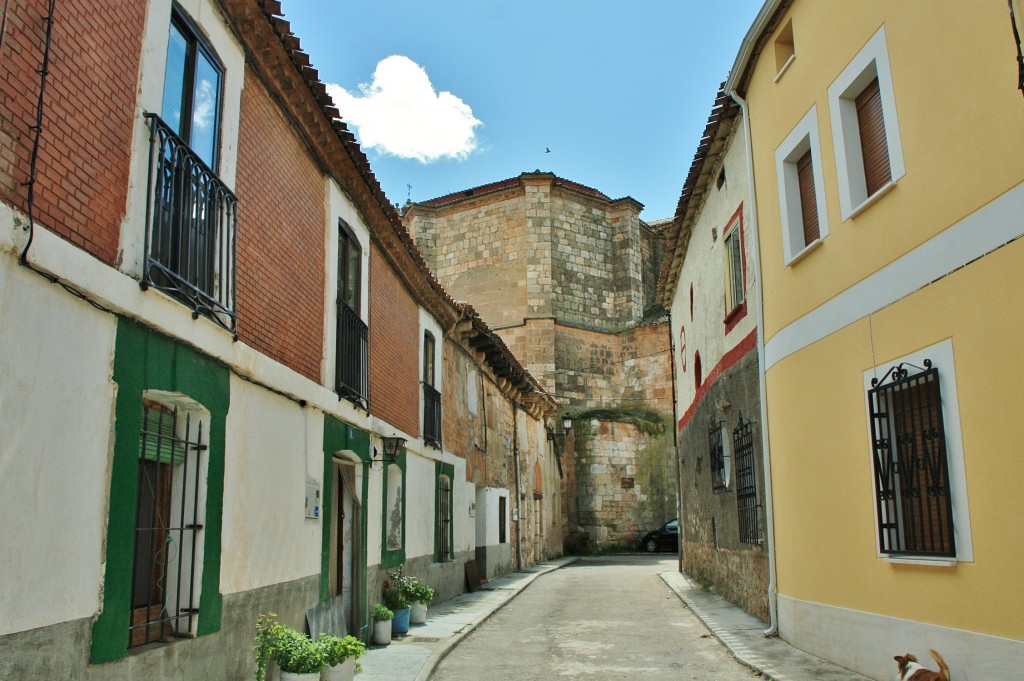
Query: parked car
(665, 538)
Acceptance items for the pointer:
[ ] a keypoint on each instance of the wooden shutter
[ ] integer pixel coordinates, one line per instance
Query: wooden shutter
(873, 144)
(808, 200)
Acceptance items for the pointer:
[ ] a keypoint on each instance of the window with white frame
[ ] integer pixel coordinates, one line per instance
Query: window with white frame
(917, 458)
(801, 188)
(734, 274)
(865, 129)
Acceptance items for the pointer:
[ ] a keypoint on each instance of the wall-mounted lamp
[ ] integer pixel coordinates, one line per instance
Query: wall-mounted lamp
(392, 447)
(567, 422)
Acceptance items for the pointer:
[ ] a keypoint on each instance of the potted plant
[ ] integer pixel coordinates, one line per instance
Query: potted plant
(420, 594)
(396, 597)
(297, 656)
(340, 655)
(382, 617)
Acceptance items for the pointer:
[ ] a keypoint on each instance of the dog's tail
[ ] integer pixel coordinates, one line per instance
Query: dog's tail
(942, 663)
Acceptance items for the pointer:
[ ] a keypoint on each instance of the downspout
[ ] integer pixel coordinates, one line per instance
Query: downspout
(519, 501)
(675, 444)
(773, 605)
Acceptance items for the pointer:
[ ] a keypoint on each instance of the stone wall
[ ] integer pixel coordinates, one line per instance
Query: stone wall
(712, 551)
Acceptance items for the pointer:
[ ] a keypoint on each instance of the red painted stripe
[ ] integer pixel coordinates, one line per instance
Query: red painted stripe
(728, 360)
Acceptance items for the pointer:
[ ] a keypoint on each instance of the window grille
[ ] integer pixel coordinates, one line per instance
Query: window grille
(164, 594)
(716, 448)
(914, 504)
(502, 539)
(352, 381)
(734, 269)
(190, 228)
(444, 521)
(431, 416)
(747, 505)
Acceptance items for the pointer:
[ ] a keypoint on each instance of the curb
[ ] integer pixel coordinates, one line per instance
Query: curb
(435, 657)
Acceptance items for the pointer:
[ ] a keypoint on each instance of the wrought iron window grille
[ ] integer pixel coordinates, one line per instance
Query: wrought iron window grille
(912, 488)
(748, 506)
(444, 529)
(191, 218)
(167, 526)
(431, 416)
(352, 379)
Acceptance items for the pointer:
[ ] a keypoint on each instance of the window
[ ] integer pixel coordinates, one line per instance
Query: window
(431, 396)
(865, 131)
(912, 485)
(352, 355)
(801, 189)
(734, 270)
(747, 506)
(698, 376)
(785, 52)
(165, 592)
(443, 503)
(502, 520)
(720, 455)
(191, 213)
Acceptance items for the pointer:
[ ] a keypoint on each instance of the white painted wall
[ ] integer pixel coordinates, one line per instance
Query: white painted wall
(704, 268)
(56, 410)
(273, 447)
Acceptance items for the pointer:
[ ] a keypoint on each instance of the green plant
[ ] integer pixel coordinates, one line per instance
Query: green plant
(419, 592)
(337, 649)
(297, 653)
(292, 650)
(379, 613)
(264, 646)
(396, 590)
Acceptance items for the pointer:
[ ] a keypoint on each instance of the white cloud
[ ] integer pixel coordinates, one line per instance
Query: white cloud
(399, 113)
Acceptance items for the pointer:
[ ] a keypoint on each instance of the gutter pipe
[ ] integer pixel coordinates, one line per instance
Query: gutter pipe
(773, 606)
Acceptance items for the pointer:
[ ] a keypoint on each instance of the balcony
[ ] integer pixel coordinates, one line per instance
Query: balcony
(431, 416)
(352, 380)
(190, 229)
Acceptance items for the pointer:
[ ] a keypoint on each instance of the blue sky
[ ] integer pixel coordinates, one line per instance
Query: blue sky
(619, 92)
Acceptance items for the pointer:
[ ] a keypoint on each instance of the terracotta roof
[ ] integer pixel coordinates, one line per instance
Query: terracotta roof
(389, 232)
(711, 146)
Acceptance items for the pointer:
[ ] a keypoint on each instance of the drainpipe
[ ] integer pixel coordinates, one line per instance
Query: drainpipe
(773, 605)
(519, 500)
(675, 443)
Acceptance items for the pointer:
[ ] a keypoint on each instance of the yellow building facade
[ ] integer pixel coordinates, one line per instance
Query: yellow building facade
(887, 155)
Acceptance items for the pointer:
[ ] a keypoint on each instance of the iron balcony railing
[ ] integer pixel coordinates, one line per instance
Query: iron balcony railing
(352, 380)
(431, 416)
(190, 228)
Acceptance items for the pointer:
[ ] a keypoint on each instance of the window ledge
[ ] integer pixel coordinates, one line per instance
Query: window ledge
(803, 254)
(870, 201)
(785, 67)
(930, 562)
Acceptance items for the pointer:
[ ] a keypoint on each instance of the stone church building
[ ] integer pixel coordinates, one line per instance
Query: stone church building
(568, 278)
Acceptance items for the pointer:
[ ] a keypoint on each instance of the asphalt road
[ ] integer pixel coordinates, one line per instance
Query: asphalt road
(599, 618)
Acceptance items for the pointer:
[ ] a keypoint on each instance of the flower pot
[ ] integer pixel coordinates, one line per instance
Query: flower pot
(293, 676)
(418, 613)
(382, 632)
(400, 625)
(345, 671)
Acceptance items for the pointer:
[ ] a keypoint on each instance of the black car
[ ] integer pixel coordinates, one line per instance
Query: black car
(665, 538)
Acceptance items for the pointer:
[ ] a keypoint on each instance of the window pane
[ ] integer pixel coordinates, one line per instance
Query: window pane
(205, 110)
(174, 79)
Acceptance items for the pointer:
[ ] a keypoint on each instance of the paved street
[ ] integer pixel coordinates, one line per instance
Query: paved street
(599, 618)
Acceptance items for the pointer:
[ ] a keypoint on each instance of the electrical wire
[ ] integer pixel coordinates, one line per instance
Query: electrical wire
(37, 129)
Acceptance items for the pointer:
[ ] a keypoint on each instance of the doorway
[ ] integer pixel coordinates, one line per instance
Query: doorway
(346, 517)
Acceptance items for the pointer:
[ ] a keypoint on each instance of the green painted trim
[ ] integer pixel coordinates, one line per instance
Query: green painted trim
(338, 435)
(146, 360)
(392, 557)
(439, 470)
